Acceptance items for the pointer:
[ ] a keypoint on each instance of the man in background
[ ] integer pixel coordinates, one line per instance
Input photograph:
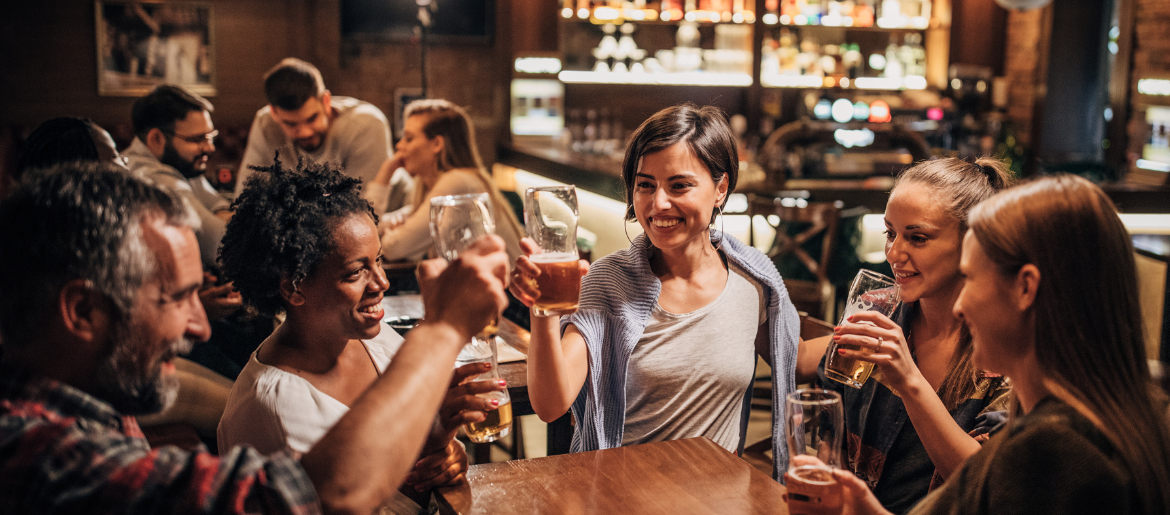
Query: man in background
(303, 119)
(174, 137)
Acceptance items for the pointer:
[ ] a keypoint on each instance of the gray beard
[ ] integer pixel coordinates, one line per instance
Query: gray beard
(124, 383)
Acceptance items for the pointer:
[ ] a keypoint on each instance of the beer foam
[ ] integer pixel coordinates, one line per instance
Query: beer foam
(553, 257)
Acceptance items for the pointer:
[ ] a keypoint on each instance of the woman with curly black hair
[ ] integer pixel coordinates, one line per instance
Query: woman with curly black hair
(304, 243)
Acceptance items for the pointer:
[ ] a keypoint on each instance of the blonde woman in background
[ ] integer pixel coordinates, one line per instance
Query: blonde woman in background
(438, 150)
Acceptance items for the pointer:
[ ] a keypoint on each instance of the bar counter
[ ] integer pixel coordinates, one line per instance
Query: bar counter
(602, 175)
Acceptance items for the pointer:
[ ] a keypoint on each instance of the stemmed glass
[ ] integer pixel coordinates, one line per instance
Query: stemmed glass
(457, 221)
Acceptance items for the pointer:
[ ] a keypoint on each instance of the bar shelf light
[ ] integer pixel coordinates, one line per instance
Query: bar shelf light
(868, 83)
(671, 79)
(605, 14)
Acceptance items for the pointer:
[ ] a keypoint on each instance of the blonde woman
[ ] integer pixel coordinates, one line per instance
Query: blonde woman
(438, 149)
(1050, 296)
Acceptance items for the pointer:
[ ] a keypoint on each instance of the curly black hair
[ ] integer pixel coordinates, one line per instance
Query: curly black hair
(282, 227)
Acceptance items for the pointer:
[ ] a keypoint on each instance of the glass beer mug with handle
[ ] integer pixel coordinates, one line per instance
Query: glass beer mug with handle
(870, 291)
(456, 222)
(815, 427)
(550, 219)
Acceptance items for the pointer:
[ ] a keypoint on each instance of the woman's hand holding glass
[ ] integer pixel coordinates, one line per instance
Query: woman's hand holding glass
(885, 346)
(855, 497)
(524, 274)
(444, 460)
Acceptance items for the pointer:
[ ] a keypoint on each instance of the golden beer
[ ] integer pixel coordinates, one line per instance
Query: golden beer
(559, 284)
(496, 425)
(814, 484)
(492, 328)
(850, 371)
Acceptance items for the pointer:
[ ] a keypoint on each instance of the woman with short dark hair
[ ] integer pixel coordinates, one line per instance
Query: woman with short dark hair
(665, 341)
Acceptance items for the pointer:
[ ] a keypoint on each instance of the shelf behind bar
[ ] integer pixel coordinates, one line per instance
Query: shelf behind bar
(667, 79)
(603, 175)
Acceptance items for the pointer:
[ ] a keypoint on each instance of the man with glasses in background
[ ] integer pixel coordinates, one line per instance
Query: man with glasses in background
(174, 137)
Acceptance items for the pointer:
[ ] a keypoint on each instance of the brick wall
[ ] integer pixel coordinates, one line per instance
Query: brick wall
(1151, 58)
(1026, 67)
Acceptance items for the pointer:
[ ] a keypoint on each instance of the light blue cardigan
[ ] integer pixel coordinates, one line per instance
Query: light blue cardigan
(617, 297)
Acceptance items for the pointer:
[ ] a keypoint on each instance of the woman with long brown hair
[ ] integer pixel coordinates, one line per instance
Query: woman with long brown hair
(438, 149)
(912, 423)
(1050, 296)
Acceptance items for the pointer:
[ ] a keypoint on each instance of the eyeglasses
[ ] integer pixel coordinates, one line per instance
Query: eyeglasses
(198, 138)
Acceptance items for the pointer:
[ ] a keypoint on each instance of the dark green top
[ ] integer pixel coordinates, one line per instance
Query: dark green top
(1052, 460)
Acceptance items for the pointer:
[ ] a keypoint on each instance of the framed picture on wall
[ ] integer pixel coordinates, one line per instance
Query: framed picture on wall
(143, 44)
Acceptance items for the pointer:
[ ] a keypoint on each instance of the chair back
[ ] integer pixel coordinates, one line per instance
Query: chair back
(816, 296)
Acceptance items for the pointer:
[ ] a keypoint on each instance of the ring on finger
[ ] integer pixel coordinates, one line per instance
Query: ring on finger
(879, 341)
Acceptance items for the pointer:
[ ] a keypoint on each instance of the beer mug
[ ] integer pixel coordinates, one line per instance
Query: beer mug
(550, 218)
(456, 222)
(815, 427)
(870, 291)
(498, 421)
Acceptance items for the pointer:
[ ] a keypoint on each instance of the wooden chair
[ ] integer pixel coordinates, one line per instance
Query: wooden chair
(759, 454)
(814, 297)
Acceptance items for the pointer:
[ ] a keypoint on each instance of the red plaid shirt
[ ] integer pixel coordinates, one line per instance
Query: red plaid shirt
(63, 451)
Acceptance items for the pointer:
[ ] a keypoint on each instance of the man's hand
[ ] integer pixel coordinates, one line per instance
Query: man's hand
(468, 293)
(446, 467)
(219, 301)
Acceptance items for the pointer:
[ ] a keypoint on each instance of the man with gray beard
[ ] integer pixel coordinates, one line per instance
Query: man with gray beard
(99, 279)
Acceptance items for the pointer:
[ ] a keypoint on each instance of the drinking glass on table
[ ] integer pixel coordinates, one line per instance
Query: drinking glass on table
(870, 291)
(457, 221)
(550, 218)
(815, 426)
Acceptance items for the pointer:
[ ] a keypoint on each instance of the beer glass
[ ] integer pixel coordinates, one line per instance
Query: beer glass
(456, 222)
(499, 420)
(550, 218)
(870, 291)
(815, 427)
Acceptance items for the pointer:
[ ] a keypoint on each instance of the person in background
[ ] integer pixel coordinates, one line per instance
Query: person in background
(914, 422)
(438, 149)
(64, 139)
(1050, 296)
(303, 120)
(99, 273)
(304, 243)
(174, 138)
(664, 343)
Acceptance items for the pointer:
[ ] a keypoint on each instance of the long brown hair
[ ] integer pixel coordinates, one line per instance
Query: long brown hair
(960, 185)
(450, 121)
(1088, 334)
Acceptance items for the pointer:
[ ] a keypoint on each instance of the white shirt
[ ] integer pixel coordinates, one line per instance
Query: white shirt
(271, 409)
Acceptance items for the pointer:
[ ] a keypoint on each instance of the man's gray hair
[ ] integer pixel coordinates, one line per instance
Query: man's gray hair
(76, 221)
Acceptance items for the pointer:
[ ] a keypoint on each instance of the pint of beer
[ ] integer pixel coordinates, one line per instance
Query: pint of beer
(870, 291)
(499, 420)
(814, 423)
(550, 218)
(559, 283)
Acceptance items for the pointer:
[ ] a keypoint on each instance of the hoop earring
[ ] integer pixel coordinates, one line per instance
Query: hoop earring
(722, 234)
(626, 230)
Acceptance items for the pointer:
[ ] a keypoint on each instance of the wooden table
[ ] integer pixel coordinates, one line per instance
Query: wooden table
(681, 476)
